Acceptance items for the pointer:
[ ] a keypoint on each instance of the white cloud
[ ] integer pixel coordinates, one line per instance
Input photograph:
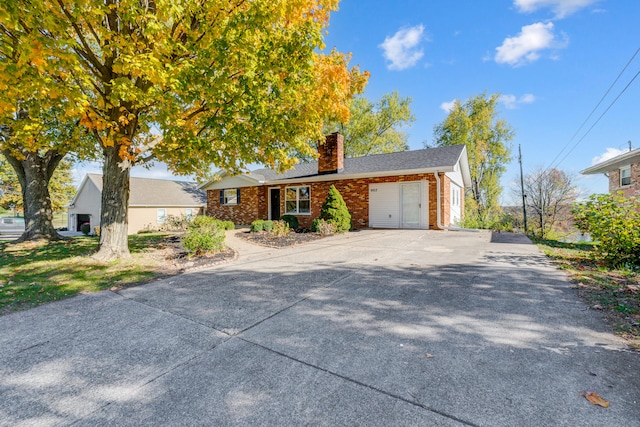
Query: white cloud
(511, 102)
(609, 154)
(561, 8)
(402, 50)
(526, 46)
(447, 106)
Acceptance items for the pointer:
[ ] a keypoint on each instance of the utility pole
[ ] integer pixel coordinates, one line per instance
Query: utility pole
(524, 205)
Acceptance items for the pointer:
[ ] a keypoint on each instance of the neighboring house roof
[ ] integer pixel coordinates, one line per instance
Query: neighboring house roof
(154, 192)
(429, 160)
(614, 163)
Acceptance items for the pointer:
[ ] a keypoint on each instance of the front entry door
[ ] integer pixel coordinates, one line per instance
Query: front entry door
(274, 204)
(410, 195)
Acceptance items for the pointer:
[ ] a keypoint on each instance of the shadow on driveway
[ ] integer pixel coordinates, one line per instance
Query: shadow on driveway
(500, 340)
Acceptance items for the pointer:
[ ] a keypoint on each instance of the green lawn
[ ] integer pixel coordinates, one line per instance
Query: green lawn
(34, 273)
(615, 292)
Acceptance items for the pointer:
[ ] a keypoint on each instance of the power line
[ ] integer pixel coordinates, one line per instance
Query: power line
(548, 169)
(601, 115)
(596, 107)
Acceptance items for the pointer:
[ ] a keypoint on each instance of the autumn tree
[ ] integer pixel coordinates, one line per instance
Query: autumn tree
(475, 124)
(190, 83)
(38, 119)
(34, 146)
(375, 128)
(550, 195)
(61, 188)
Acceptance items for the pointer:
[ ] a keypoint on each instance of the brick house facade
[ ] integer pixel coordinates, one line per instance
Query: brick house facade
(264, 194)
(623, 172)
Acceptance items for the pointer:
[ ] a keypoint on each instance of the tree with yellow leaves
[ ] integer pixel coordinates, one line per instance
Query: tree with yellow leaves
(475, 124)
(188, 82)
(38, 119)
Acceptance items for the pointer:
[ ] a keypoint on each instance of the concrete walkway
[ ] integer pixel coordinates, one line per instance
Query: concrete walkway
(372, 328)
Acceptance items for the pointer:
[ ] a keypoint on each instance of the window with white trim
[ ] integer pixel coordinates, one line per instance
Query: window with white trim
(298, 200)
(188, 213)
(161, 215)
(625, 176)
(230, 197)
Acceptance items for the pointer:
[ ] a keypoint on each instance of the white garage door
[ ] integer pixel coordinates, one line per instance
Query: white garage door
(384, 205)
(398, 205)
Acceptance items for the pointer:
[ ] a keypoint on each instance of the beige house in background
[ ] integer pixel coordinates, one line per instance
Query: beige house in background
(151, 201)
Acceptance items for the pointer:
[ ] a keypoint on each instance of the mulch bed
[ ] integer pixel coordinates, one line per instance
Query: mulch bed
(270, 240)
(175, 253)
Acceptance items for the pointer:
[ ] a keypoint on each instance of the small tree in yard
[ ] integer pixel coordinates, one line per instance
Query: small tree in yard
(204, 235)
(550, 195)
(613, 221)
(334, 211)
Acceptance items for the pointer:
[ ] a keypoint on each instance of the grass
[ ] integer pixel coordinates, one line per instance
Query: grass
(34, 273)
(615, 292)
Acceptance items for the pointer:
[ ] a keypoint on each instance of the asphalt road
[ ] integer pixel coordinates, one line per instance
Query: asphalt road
(373, 328)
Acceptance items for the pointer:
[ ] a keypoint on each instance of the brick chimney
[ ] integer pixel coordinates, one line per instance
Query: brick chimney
(331, 154)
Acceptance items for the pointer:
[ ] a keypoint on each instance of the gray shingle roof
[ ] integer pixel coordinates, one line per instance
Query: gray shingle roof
(623, 159)
(160, 192)
(429, 158)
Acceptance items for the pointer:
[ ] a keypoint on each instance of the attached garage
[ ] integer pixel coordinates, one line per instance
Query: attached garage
(399, 205)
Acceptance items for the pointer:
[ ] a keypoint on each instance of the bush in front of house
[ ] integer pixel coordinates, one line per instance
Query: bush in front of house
(291, 220)
(267, 225)
(85, 227)
(228, 225)
(321, 226)
(280, 228)
(334, 211)
(257, 226)
(613, 221)
(204, 235)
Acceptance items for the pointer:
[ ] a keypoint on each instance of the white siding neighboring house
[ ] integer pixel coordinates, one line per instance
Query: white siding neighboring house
(151, 201)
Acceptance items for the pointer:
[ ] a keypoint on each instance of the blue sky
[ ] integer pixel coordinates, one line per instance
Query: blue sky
(551, 60)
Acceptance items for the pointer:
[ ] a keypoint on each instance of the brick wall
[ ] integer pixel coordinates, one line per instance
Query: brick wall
(628, 190)
(254, 201)
(241, 214)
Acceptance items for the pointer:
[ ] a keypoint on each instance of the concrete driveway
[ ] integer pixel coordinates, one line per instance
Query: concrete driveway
(376, 327)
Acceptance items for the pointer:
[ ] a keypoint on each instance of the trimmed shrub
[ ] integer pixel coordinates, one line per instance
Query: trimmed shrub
(291, 220)
(613, 221)
(257, 226)
(334, 211)
(321, 226)
(203, 235)
(85, 227)
(228, 225)
(267, 225)
(280, 228)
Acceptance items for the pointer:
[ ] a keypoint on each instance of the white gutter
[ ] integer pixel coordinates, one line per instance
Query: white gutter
(438, 206)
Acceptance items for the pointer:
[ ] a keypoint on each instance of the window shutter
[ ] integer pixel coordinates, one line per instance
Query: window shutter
(238, 196)
(221, 197)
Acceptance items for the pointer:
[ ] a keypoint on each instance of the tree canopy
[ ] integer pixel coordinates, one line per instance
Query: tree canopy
(189, 83)
(474, 123)
(375, 128)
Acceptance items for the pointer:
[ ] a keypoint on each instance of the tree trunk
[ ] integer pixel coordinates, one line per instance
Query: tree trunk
(114, 221)
(34, 173)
